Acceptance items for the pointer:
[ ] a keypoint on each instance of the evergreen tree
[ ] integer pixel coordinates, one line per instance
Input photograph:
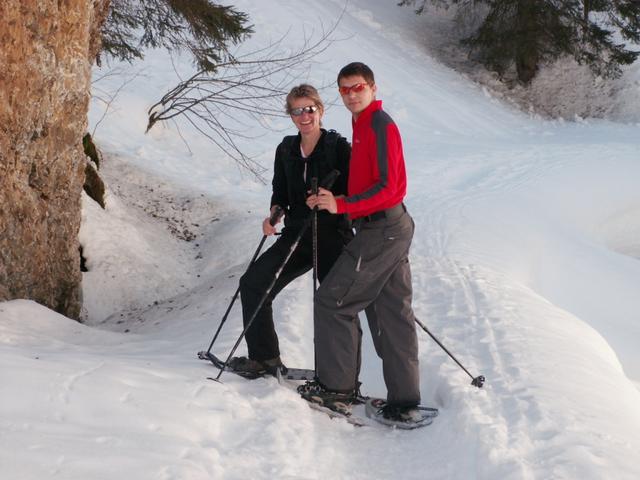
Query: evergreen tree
(201, 27)
(527, 33)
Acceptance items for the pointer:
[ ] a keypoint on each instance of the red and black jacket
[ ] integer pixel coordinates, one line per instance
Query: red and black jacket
(377, 175)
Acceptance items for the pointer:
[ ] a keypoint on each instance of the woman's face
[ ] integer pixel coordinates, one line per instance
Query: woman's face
(306, 122)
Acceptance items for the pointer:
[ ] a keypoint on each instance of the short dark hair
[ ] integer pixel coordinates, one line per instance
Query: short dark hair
(357, 68)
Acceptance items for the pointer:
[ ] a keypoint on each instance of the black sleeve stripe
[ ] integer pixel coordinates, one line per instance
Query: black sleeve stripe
(379, 122)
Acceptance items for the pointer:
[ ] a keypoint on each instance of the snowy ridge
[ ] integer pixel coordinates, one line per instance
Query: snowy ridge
(525, 265)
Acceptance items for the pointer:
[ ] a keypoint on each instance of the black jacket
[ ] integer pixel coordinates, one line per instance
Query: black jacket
(290, 189)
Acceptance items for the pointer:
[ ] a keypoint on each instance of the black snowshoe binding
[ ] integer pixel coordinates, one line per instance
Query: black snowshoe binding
(315, 393)
(403, 417)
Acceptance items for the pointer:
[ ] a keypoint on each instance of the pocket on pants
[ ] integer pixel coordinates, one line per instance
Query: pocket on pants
(346, 277)
(369, 249)
(352, 276)
(357, 278)
(344, 293)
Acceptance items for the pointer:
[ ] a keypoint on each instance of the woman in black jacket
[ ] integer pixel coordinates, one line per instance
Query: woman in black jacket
(314, 152)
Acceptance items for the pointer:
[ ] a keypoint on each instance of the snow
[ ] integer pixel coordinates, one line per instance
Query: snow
(526, 265)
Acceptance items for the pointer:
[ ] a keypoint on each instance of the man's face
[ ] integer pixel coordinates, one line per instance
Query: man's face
(356, 93)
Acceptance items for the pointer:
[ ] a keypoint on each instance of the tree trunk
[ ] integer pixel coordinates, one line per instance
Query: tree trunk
(527, 54)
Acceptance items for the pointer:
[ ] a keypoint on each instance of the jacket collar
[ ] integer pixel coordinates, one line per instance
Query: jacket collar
(367, 112)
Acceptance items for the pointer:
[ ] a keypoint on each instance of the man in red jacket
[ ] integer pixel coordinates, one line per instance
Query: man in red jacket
(373, 273)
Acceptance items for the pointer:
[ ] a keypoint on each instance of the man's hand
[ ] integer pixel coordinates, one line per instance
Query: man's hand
(324, 200)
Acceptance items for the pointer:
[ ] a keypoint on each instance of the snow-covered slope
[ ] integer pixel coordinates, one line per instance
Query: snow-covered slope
(525, 264)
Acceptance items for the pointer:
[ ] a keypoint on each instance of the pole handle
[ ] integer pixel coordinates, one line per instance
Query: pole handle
(328, 181)
(276, 215)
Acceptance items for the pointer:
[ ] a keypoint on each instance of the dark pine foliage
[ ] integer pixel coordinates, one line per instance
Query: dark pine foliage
(201, 27)
(527, 33)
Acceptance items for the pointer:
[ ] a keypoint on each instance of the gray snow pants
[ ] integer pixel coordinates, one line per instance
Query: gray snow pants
(371, 274)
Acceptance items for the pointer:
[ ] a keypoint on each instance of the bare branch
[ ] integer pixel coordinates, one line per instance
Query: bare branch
(252, 84)
(109, 97)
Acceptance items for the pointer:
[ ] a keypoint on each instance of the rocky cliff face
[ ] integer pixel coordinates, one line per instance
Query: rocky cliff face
(46, 51)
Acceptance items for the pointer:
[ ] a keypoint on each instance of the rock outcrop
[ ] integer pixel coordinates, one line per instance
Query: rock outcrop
(46, 51)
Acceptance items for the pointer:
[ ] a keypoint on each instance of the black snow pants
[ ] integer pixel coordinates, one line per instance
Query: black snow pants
(261, 338)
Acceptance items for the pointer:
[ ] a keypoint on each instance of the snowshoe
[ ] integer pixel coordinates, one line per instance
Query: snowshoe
(251, 369)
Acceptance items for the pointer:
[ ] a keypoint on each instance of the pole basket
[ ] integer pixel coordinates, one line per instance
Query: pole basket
(478, 381)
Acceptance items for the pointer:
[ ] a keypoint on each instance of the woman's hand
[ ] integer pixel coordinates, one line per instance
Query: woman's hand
(269, 223)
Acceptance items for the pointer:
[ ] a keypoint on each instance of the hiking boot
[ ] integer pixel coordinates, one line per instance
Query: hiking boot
(273, 365)
(315, 392)
(397, 413)
(253, 368)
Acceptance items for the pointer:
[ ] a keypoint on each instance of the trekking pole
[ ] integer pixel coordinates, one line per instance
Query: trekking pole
(475, 381)
(314, 252)
(314, 236)
(327, 182)
(273, 219)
